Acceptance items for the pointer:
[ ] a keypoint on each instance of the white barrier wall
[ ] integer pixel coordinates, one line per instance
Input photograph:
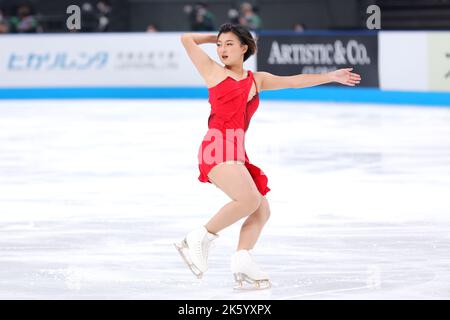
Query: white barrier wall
(403, 61)
(121, 59)
(414, 61)
(439, 61)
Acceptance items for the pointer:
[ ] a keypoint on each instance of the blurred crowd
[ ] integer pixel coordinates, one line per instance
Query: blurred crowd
(23, 18)
(202, 19)
(22, 21)
(96, 17)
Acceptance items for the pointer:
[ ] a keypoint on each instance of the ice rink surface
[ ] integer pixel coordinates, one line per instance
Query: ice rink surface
(93, 193)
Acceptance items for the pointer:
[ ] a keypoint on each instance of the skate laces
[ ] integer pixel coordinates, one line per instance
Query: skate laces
(207, 244)
(201, 244)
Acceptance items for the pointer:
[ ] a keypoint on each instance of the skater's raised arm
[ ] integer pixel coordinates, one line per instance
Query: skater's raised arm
(273, 82)
(201, 60)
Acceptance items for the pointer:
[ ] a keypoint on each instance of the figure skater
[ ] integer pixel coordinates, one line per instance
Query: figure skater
(234, 98)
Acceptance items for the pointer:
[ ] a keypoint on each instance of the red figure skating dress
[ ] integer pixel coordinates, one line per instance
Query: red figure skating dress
(228, 121)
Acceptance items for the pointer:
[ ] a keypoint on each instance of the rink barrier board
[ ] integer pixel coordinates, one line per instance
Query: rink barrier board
(406, 77)
(319, 94)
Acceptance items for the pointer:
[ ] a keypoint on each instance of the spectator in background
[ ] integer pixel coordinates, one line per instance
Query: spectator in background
(152, 28)
(200, 18)
(96, 19)
(24, 22)
(88, 18)
(4, 27)
(233, 16)
(299, 27)
(249, 18)
(104, 13)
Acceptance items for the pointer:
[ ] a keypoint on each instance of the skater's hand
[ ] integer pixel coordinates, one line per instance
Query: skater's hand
(345, 77)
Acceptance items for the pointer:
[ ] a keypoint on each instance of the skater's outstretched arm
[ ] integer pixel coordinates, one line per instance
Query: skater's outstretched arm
(273, 82)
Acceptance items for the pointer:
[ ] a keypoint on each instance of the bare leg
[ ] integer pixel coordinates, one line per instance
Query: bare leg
(253, 225)
(235, 180)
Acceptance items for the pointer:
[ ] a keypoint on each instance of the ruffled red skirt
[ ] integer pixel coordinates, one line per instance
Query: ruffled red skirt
(209, 156)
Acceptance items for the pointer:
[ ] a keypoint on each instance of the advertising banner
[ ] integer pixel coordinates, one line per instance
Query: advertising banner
(100, 60)
(290, 54)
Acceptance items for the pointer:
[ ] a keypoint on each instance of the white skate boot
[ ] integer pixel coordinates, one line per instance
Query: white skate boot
(246, 272)
(194, 250)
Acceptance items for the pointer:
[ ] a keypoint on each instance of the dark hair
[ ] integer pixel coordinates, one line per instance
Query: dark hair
(243, 34)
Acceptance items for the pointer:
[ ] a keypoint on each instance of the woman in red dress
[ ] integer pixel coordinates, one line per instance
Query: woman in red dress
(223, 161)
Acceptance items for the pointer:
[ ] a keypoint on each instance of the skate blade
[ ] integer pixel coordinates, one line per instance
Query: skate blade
(180, 248)
(243, 282)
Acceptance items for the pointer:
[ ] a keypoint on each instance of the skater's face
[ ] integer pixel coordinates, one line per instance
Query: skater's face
(230, 49)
